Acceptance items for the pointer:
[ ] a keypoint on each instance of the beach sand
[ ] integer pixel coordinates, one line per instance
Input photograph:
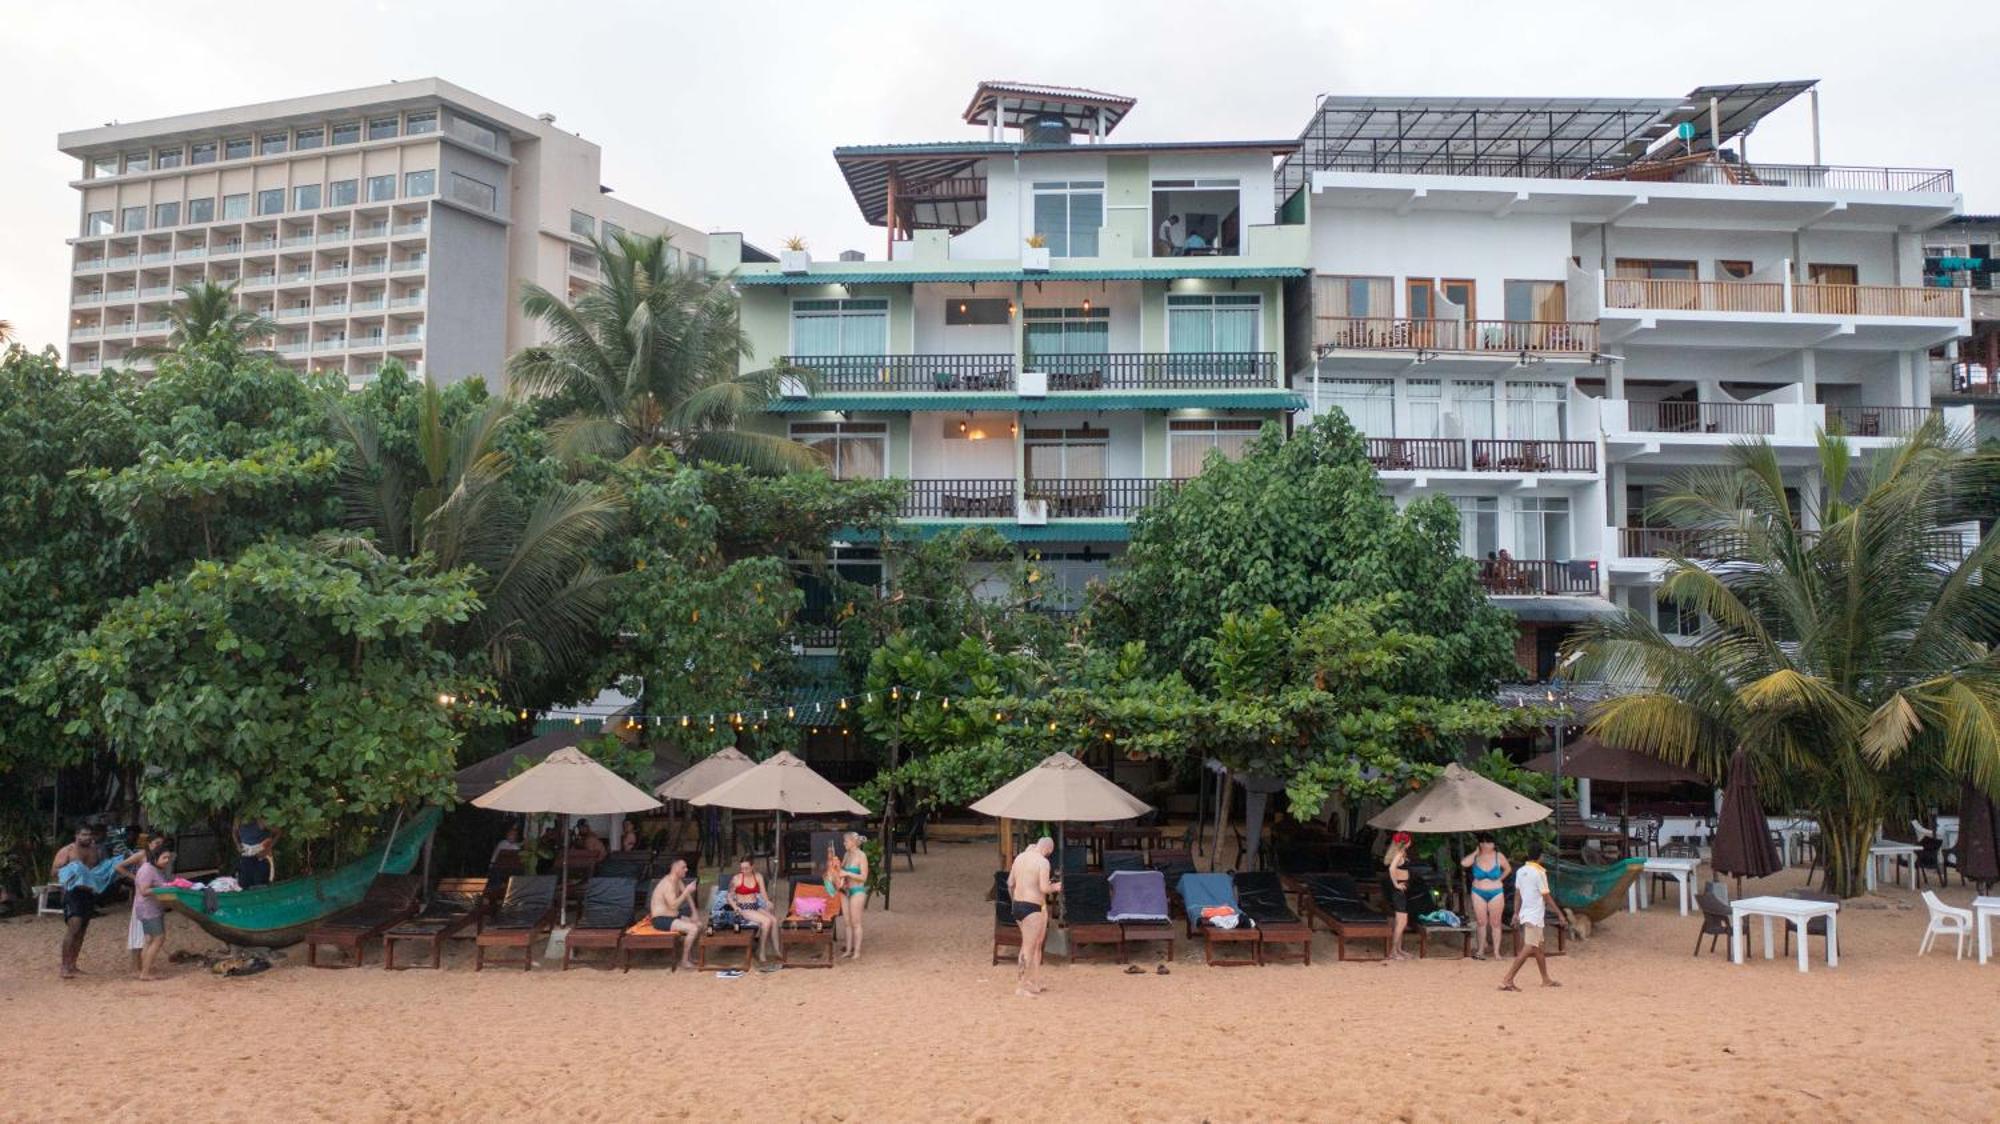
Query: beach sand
(925, 1029)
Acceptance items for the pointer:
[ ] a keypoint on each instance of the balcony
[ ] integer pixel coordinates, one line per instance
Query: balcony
(123, 261)
(1537, 577)
(1694, 296)
(1702, 417)
(87, 298)
(156, 257)
(407, 339)
(1416, 454)
(1500, 337)
(411, 228)
(294, 347)
(1159, 370)
(1946, 546)
(330, 345)
(415, 301)
(294, 313)
(292, 241)
(260, 244)
(860, 373)
(192, 253)
(333, 236)
(1698, 170)
(374, 305)
(85, 331)
(959, 499)
(1534, 456)
(1106, 498)
(1877, 421)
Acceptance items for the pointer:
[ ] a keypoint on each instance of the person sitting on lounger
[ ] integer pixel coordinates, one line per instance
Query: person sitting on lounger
(1396, 887)
(1029, 887)
(854, 864)
(1489, 893)
(750, 901)
(672, 909)
(588, 840)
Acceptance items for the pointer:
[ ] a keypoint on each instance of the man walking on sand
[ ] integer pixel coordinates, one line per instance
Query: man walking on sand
(1531, 889)
(1029, 886)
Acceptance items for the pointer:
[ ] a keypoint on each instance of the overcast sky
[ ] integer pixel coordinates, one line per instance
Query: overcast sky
(722, 115)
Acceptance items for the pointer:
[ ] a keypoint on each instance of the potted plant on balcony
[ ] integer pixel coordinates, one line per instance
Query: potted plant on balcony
(1035, 255)
(794, 258)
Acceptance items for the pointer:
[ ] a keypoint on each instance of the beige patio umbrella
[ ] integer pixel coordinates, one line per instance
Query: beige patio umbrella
(567, 783)
(699, 778)
(781, 783)
(1062, 790)
(1459, 800)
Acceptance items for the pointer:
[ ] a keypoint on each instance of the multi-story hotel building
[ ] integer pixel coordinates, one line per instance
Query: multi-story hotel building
(1965, 254)
(395, 221)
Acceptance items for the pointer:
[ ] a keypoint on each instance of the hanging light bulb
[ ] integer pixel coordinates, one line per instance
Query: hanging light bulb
(961, 426)
(961, 308)
(684, 721)
(524, 716)
(1086, 304)
(895, 692)
(790, 712)
(843, 704)
(945, 705)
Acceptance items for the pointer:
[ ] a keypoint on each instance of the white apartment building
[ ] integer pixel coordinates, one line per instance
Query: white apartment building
(395, 221)
(1545, 309)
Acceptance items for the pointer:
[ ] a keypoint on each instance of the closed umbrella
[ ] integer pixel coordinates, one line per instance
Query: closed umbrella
(1459, 799)
(1978, 838)
(567, 783)
(781, 783)
(1742, 845)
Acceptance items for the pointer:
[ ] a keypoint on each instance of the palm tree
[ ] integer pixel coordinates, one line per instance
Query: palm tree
(1846, 644)
(207, 311)
(652, 357)
(6, 331)
(454, 501)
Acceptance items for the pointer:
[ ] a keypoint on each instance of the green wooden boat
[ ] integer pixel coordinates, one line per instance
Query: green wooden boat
(284, 912)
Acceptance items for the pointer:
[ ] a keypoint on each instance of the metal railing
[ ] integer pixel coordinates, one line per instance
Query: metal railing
(1878, 300)
(1689, 295)
(1528, 577)
(1707, 171)
(1407, 454)
(1159, 370)
(982, 371)
(1107, 498)
(1664, 542)
(1701, 417)
(1534, 456)
(1385, 333)
(959, 499)
(1877, 421)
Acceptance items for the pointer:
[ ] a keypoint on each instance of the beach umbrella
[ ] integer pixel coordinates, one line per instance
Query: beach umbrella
(1590, 759)
(482, 777)
(782, 784)
(699, 778)
(1978, 837)
(1061, 789)
(567, 783)
(1742, 844)
(1459, 799)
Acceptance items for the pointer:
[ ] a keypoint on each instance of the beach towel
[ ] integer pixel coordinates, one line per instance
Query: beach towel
(1138, 895)
(1199, 891)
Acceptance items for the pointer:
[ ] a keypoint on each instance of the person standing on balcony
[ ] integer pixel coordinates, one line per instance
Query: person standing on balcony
(1173, 234)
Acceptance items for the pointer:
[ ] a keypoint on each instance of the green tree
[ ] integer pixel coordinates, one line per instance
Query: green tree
(650, 358)
(208, 313)
(1845, 643)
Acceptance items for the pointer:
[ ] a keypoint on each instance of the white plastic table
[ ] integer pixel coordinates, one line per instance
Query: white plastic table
(1639, 895)
(1800, 910)
(1789, 833)
(1984, 911)
(1892, 852)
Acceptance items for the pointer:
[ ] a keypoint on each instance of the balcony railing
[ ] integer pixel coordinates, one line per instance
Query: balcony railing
(1384, 333)
(1159, 370)
(959, 499)
(1878, 300)
(1534, 456)
(1701, 417)
(1704, 170)
(1107, 498)
(1415, 454)
(1694, 296)
(1528, 577)
(1665, 542)
(850, 373)
(1877, 421)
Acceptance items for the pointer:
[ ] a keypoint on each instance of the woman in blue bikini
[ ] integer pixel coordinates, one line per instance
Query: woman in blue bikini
(1489, 870)
(854, 864)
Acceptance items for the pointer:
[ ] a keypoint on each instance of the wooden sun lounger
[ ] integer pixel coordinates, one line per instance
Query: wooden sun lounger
(456, 905)
(1086, 898)
(390, 899)
(528, 911)
(607, 911)
(1347, 918)
(1261, 897)
(1006, 931)
(640, 936)
(802, 933)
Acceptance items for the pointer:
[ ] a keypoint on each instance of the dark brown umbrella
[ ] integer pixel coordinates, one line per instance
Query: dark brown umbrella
(1978, 846)
(1590, 759)
(1742, 844)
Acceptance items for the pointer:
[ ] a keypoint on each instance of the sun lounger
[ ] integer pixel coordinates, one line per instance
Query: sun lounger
(1086, 902)
(1203, 891)
(607, 911)
(1261, 896)
(390, 899)
(1335, 904)
(1115, 861)
(524, 914)
(1139, 906)
(1423, 900)
(456, 905)
(809, 929)
(726, 929)
(640, 936)
(1006, 931)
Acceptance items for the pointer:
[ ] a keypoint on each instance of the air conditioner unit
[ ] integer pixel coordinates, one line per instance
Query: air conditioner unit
(1034, 384)
(1032, 512)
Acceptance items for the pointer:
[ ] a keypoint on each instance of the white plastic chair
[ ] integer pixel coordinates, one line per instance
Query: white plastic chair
(1947, 921)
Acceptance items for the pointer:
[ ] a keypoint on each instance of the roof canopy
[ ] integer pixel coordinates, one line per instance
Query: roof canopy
(1738, 109)
(1015, 103)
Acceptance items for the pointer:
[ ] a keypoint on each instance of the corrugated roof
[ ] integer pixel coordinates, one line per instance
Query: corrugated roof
(1077, 106)
(1066, 402)
(935, 276)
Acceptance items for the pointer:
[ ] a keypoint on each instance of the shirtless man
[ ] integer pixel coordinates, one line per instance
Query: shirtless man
(672, 909)
(85, 874)
(1028, 884)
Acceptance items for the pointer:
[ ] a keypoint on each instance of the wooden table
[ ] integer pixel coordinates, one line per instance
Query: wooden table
(1770, 909)
(1893, 852)
(1984, 911)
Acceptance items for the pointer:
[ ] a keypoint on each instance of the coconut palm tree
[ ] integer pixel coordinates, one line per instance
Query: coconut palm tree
(207, 311)
(452, 498)
(1846, 642)
(652, 355)
(6, 331)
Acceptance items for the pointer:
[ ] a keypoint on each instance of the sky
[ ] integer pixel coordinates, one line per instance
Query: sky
(724, 115)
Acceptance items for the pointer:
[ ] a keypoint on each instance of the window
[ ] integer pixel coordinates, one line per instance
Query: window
(1338, 299)
(381, 188)
(1674, 619)
(1423, 405)
(236, 148)
(201, 210)
(1209, 323)
(346, 132)
(1732, 269)
(580, 223)
(97, 222)
(272, 144)
(1470, 409)
(1460, 299)
(1535, 301)
(1541, 528)
(1651, 269)
(1190, 442)
(1420, 299)
(1195, 217)
(341, 193)
(271, 201)
(1535, 410)
(854, 450)
(612, 232)
(1368, 403)
(101, 166)
(1478, 525)
(418, 123)
(201, 152)
(305, 197)
(309, 138)
(697, 263)
(474, 133)
(1067, 454)
(840, 327)
(472, 192)
(167, 157)
(977, 310)
(236, 206)
(132, 218)
(166, 214)
(673, 257)
(1069, 215)
(1054, 332)
(138, 161)
(418, 184)
(381, 128)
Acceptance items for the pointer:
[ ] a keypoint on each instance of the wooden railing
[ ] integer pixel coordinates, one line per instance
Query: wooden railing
(1385, 333)
(1159, 370)
(851, 373)
(1411, 454)
(1108, 498)
(1878, 300)
(1534, 456)
(1701, 417)
(959, 499)
(1877, 421)
(1702, 296)
(1534, 576)
(952, 187)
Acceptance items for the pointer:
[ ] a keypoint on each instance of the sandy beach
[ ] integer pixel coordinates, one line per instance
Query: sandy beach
(925, 1029)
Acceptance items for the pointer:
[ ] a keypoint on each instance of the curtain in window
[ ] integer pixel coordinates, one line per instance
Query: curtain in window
(1351, 296)
(1534, 411)
(1370, 404)
(1471, 411)
(1425, 407)
(816, 334)
(861, 458)
(1478, 525)
(1191, 330)
(1541, 529)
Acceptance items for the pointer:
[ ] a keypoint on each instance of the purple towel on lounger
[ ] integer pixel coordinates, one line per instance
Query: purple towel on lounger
(1138, 895)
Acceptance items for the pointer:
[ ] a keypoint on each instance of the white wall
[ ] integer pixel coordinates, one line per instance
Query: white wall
(934, 337)
(934, 456)
(1490, 251)
(1125, 452)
